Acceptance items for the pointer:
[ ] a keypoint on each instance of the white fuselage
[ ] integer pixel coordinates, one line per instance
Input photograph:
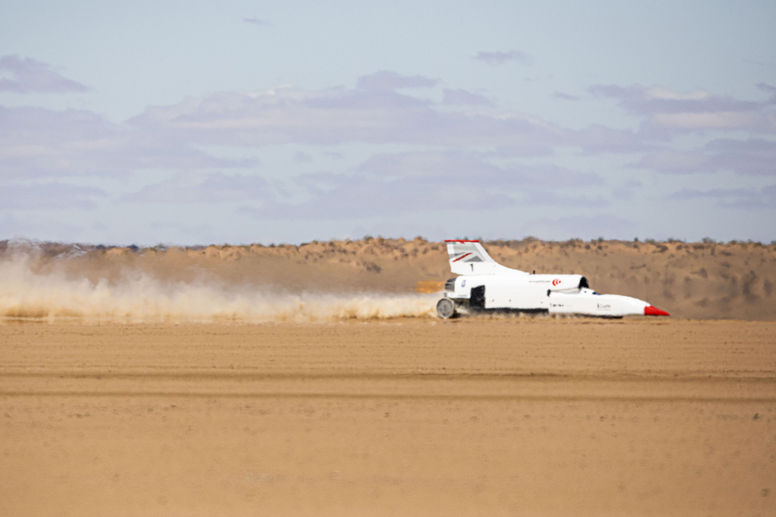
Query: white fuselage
(515, 290)
(559, 294)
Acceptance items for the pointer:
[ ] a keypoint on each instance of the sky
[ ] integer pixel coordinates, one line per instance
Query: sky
(286, 122)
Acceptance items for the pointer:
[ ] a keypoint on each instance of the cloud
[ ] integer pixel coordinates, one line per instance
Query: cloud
(204, 188)
(597, 139)
(472, 170)
(302, 157)
(565, 96)
(739, 198)
(668, 110)
(38, 142)
(48, 196)
(495, 58)
(463, 98)
(753, 156)
(768, 88)
(454, 158)
(375, 115)
(357, 197)
(561, 198)
(585, 226)
(39, 226)
(44, 143)
(426, 181)
(259, 22)
(387, 80)
(25, 75)
(673, 161)
(718, 193)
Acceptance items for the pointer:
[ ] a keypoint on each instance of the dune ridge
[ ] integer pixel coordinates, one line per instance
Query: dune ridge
(363, 279)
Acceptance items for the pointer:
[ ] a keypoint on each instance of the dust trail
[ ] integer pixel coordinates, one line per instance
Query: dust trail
(28, 291)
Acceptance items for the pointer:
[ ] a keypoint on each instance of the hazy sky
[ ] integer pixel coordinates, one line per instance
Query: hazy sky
(212, 122)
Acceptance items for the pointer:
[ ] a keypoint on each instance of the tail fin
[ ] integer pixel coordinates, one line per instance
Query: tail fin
(469, 257)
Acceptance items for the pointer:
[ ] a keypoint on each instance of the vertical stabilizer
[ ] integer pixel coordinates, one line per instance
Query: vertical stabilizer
(470, 258)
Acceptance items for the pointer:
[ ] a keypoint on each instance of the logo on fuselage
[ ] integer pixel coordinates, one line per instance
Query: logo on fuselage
(555, 281)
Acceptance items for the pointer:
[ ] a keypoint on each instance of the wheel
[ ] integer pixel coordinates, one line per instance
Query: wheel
(445, 308)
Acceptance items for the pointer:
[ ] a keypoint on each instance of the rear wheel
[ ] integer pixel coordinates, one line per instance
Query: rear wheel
(445, 308)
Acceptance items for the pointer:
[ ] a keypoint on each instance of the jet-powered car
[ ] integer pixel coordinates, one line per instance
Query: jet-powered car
(485, 285)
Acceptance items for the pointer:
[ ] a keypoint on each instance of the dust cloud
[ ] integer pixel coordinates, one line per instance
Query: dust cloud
(45, 290)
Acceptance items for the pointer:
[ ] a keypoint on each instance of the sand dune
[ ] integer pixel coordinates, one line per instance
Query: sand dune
(362, 279)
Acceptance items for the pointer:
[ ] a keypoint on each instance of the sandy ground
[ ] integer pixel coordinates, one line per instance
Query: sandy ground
(513, 416)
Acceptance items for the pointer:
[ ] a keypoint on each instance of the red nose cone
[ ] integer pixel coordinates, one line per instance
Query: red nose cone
(654, 311)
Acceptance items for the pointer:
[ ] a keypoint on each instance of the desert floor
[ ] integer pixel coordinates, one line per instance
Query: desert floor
(511, 416)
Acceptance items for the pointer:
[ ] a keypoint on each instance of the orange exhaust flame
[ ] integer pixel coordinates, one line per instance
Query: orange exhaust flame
(429, 286)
